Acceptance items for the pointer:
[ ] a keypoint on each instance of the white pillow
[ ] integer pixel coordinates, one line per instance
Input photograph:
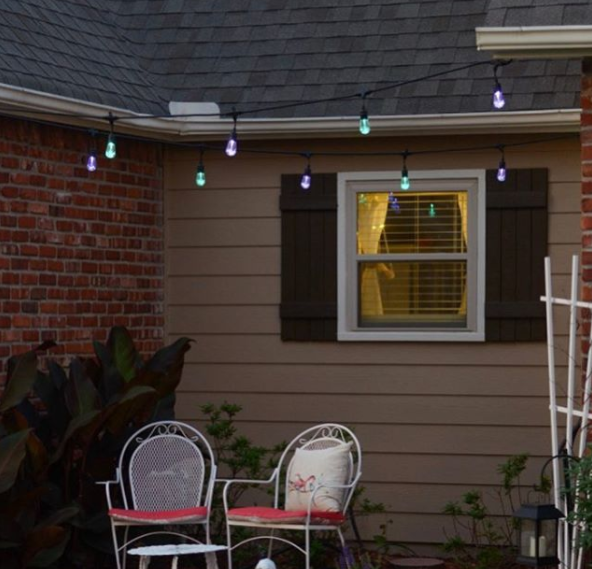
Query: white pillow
(310, 468)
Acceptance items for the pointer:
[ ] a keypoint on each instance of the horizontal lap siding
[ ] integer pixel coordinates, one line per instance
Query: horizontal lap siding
(434, 419)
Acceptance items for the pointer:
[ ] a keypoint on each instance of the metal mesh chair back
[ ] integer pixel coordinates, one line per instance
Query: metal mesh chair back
(166, 472)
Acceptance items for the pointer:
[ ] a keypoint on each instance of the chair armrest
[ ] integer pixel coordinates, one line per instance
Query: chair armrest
(107, 484)
(349, 486)
(229, 481)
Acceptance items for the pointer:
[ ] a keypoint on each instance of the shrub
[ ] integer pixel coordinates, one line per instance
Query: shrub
(60, 432)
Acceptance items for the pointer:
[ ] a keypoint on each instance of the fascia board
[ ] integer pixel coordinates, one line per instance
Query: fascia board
(19, 102)
(536, 42)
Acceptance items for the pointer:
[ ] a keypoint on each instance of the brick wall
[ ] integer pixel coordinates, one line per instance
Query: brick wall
(79, 251)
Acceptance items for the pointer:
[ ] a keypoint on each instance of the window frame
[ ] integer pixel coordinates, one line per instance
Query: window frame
(351, 183)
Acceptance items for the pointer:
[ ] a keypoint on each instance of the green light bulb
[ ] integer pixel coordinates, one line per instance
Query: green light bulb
(364, 123)
(200, 177)
(405, 183)
(432, 212)
(111, 148)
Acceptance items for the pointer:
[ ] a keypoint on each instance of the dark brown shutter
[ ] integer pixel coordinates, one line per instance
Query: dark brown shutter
(308, 309)
(516, 248)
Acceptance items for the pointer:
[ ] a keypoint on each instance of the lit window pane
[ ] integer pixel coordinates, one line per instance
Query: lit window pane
(407, 222)
(412, 294)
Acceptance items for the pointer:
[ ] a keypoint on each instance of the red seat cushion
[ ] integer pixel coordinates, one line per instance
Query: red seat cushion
(263, 515)
(160, 516)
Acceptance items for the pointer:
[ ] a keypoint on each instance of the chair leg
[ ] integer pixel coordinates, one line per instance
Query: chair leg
(270, 548)
(229, 545)
(116, 546)
(124, 547)
(307, 548)
(345, 553)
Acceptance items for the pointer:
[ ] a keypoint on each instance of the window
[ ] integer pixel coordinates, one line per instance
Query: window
(411, 263)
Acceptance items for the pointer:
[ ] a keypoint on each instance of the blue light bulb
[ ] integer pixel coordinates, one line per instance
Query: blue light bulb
(91, 161)
(232, 144)
(499, 102)
(306, 179)
(111, 148)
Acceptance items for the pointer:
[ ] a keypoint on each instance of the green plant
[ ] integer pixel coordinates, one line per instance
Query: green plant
(481, 541)
(61, 432)
(237, 457)
(580, 473)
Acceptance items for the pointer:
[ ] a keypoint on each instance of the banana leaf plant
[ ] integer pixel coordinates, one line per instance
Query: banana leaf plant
(60, 432)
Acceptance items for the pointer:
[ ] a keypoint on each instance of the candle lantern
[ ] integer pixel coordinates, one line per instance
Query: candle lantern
(537, 543)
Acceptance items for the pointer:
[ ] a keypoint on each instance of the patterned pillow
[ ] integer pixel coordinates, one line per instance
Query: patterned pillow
(309, 468)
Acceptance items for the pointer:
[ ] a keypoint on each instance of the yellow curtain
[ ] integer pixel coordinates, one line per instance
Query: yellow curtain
(371, 217)
(462, 206)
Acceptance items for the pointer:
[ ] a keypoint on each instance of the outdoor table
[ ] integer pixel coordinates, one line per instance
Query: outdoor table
(149, 551)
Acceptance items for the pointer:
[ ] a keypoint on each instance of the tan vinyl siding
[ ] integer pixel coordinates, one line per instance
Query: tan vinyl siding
(434, 419)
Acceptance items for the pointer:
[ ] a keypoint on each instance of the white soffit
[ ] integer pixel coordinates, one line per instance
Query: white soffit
(536, 42)
(17, 101)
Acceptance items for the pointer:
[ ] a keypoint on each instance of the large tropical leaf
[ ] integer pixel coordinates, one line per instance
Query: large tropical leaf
(44, 546)
(132, 405)
(80, 393)
(61, 516)
(165, 409)
(21, 376)
(50, 389)
(163, 370)
(12, 453)
(111, 380)
(124, 353)
(75, 425)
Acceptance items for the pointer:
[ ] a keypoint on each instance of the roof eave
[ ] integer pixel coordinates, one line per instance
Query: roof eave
(536, 42)
(17, 101)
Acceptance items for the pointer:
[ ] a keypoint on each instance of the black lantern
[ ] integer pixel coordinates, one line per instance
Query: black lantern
(537, 543)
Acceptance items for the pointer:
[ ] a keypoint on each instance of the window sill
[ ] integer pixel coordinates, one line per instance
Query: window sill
(375, 336)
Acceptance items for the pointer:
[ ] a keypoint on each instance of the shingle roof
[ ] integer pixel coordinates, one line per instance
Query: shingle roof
(538, 13)
(140, 54)
(76, 49)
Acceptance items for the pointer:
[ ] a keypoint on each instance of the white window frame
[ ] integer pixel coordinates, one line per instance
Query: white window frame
(351, 183)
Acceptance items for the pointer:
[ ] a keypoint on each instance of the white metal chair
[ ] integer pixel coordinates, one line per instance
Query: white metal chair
(165, 476)
(313, 485)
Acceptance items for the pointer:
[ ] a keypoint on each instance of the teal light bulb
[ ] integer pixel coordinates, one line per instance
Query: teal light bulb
(364, 123)
(405, 183)
(200, 177)
(111, 148)
(432, 211)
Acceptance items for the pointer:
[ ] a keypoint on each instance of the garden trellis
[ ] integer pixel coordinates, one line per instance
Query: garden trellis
(563, 416)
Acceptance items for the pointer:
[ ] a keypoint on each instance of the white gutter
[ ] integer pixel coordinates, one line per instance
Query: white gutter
(536, 42)
(21, 102)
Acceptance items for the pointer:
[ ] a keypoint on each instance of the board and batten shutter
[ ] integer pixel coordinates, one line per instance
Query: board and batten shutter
(516, 246)
(517, 235)
(308, 307)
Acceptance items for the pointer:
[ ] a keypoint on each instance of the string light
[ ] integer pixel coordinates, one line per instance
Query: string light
(499, 101)
(232, 144)
(111, 147)
(502, 171)
(364, 120)
(200, 175)
(405, 182)
(91, 160)
(306, 179)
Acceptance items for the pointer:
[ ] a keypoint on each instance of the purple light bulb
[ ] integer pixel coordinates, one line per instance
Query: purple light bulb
(232, 144)
(91, 161)
(502, 172)
(499, 102)
(306, 179)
